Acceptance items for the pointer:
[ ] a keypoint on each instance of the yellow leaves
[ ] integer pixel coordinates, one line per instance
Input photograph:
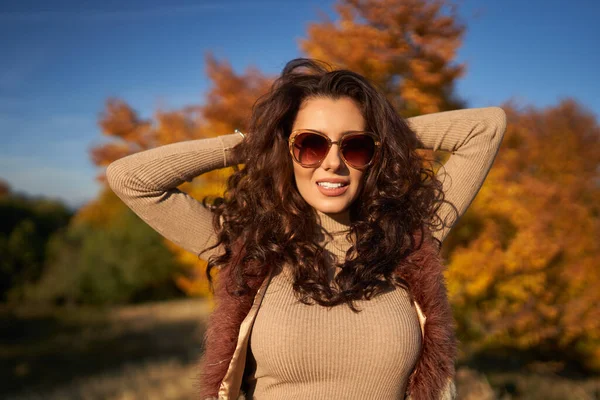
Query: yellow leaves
(194, 282)
(471, 272)
(405, 48)
(99, 213)
(423, 70)
(531, 276)
(477, 286)
(175, 126)
(426, 103)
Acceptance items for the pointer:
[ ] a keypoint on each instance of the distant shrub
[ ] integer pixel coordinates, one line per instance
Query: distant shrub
(26, 225)
(123, 261)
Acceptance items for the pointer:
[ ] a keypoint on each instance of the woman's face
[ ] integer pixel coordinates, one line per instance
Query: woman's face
(332, 117)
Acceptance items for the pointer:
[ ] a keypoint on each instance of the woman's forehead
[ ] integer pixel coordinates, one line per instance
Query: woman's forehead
(331, 117)
(331, 136)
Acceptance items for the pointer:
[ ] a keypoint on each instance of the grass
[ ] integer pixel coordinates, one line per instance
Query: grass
(151, 351)
(146, 351)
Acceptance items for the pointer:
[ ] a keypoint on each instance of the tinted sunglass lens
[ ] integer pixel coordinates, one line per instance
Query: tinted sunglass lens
(310, 148)
(358, 150)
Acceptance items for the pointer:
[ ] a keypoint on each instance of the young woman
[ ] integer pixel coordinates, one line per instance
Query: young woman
(327, 241)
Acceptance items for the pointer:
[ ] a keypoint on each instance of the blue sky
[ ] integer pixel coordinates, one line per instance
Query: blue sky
(62, 59)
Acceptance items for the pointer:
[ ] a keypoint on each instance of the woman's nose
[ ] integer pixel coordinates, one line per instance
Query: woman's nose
(333, 160)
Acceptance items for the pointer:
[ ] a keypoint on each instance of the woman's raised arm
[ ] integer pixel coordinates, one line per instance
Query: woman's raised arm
(147, 183)
(473, 136)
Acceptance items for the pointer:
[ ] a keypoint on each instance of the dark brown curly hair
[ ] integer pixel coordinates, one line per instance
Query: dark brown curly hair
(263, 222)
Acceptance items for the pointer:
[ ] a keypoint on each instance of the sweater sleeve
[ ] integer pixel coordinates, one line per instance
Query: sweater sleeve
(473, 137)
(147, 183)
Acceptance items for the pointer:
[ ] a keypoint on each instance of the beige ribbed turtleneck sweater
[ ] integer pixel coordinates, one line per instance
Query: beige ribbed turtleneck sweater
(311, 351)
(301, 351)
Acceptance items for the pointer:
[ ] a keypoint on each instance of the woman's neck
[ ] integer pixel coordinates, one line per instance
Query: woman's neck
(336, 243)
(334, 223)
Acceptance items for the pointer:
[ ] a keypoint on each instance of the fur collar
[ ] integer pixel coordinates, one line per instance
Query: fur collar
(432, 378)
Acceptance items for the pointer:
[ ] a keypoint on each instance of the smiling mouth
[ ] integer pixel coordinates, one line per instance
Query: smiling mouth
(332, 185)
(334, 190)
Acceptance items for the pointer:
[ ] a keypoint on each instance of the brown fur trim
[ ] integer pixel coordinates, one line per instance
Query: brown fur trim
(436, 363)
(220, 338)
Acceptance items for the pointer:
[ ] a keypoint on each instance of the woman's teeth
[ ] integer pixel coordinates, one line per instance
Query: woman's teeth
(331, 185)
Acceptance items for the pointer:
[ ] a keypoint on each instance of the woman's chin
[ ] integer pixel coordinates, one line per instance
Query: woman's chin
(332, 207)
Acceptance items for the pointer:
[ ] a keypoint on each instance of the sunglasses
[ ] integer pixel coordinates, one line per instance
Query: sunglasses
(309, 148)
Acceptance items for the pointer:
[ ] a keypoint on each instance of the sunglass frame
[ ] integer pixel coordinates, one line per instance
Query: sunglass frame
(295, 133)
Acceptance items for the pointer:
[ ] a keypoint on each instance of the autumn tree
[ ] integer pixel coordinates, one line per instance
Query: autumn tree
(523, 261)
(228, 105)
(406, 47)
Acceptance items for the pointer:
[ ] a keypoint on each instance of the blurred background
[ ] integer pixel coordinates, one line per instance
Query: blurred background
(94, 304)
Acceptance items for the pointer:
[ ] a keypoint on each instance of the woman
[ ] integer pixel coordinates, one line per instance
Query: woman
(327, 242)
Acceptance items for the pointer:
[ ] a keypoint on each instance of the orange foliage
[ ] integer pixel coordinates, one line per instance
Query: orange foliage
(133, 134)
(527, 274)
(407, 48)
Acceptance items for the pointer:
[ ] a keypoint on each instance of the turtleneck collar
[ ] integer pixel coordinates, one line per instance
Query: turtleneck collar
(335, 223)
(338, 226)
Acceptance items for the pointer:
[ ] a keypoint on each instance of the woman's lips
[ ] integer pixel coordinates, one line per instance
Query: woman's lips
(338, 191)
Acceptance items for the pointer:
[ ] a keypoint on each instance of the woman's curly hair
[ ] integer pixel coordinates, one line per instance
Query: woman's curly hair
(263, 222)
